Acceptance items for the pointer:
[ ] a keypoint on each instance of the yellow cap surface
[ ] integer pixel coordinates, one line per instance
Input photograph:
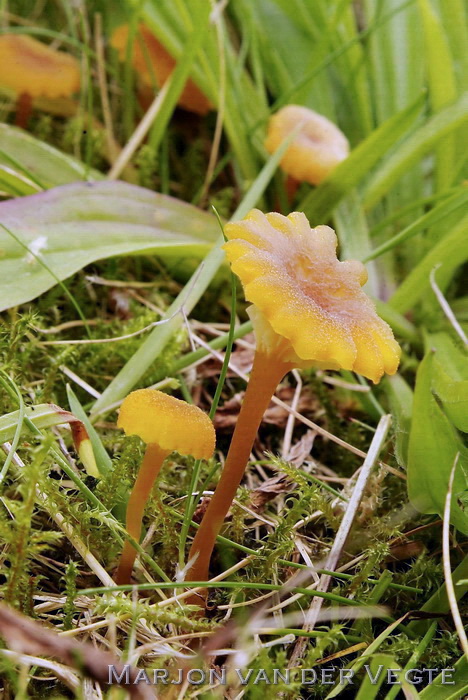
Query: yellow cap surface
(28, 66)
(158, 418)
(153, 64)
(316, 150)
(308, 306)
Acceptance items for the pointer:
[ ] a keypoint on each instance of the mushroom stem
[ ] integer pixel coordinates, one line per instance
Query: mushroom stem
(267, 372)
(149, 470)
(291, 186)
(23, 110)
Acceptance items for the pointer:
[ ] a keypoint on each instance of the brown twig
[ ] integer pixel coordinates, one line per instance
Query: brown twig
(27, 637)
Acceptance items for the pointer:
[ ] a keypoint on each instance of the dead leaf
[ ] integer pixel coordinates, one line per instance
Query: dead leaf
(302, 449)
(241, 359)
(268, 490)
(119, 303)
(280, 483)
(226, 415)
(200, 510)
(343, 652)
(408, 550)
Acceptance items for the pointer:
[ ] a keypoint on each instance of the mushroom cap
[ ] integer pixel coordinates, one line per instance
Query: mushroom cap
(315, 151)
(174, 425)
(153, 64)
(30, 66)
(309, 308)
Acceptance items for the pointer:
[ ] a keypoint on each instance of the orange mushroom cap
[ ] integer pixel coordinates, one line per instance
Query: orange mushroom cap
(174, 425)
(34, 68)
(309, 308)
(316, 150)
(154, 64)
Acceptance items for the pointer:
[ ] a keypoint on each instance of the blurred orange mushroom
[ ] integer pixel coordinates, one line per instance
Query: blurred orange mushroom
(154, 65)
(315, 151)
(32, 69)
(308, 310)
(165, 424)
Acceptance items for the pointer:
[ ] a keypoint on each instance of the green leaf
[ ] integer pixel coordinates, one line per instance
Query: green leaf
(445, 687)
(401, 401)
(15, 184)
(450, 379)
(34, 160)
(454, 396)
(44, 415)
(453, 358)
(449, 253)
(74, 225)
(433, 448)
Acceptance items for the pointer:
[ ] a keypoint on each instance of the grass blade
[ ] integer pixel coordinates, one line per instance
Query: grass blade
(414, 148)
(319, 203)
(187, 299)
(158, 115)
(456, 202)
(442, 87)
(450, 252)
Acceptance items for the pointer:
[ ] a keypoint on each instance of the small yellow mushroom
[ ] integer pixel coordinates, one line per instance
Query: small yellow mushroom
(31, 70)
(308, 309)
(165, 424)
(154, 65)
(316, 150)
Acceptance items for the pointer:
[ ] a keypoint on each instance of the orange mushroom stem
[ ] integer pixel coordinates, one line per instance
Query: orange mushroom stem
(266, 374)
(23, 110)
(147, 475)
(165, 424)
(308, 309)
(32, 70)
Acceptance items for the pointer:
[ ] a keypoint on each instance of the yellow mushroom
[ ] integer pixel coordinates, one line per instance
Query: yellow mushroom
(154, 65)
(165, 424)
(316, 150)
(32, 69)
(308, 310)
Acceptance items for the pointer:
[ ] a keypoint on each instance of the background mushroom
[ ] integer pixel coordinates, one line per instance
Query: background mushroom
(316, 150)
(32, 69)
(153, 66)
(308, 311)
(165, 424)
